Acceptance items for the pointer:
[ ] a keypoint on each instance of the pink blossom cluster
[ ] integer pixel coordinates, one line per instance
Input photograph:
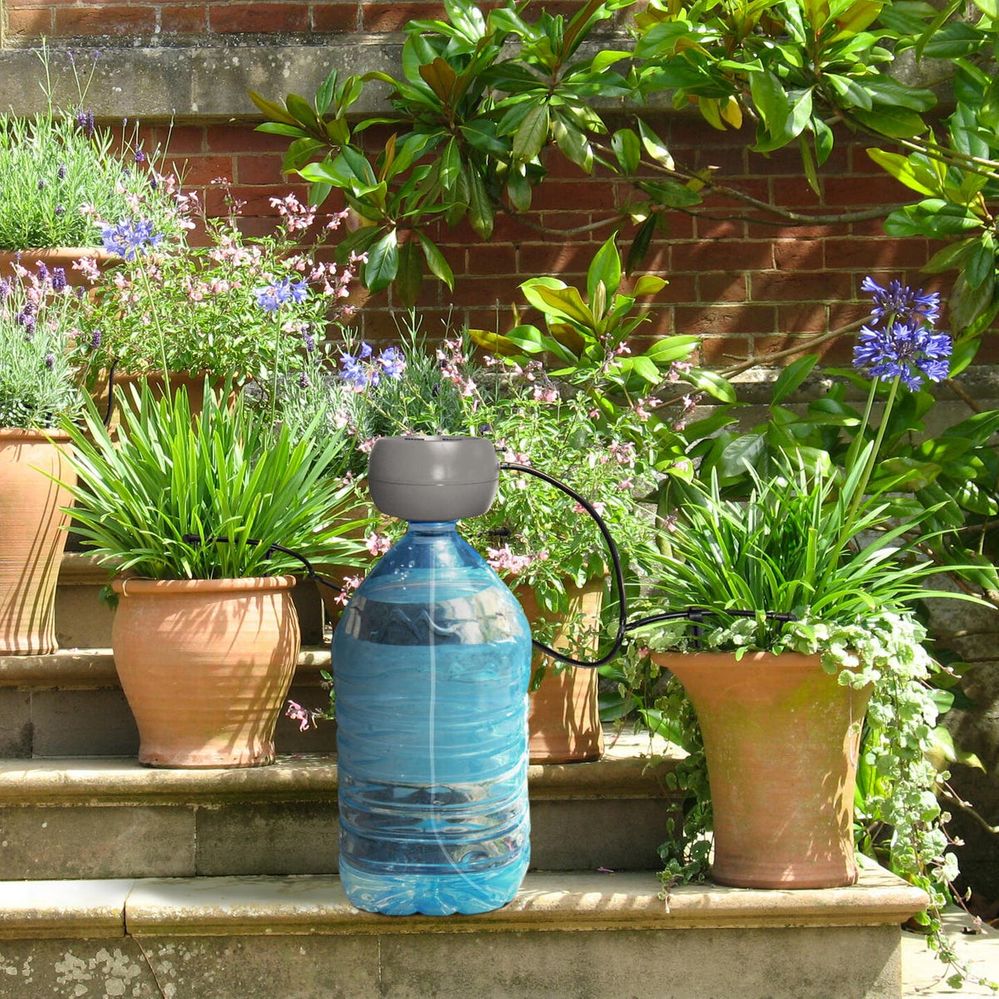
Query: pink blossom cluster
(377, 544)
(296, 216)
(451, 356)
(350, 584)
(504, 560)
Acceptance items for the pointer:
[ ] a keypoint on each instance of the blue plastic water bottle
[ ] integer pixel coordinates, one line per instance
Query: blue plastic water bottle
(431, 662)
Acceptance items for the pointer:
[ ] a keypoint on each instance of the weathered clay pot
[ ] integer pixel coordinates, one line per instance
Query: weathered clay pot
(59, 256)
(205, 665)
(781, 737)
(31, 537)
(564, 714)
(124, 383)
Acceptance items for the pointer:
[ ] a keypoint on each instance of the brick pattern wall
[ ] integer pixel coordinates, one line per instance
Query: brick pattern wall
(746, 287)
(745, 284)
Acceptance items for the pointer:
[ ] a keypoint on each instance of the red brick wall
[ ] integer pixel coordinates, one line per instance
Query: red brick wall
(745, 286)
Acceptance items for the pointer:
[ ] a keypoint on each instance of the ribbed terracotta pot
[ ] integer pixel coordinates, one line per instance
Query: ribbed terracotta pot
(31, 537)
(781, 737)
(205, 665)
(58, 256)
(563, 718)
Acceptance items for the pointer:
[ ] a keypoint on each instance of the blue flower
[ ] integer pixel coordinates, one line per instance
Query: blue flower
(273, 296)
(900, 302)
(392, 362)
(126, 239)
(899, 340)
(365, 352)
(353, 372)
(907, 351)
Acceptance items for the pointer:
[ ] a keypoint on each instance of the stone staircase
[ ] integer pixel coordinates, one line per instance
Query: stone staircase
(118, 880)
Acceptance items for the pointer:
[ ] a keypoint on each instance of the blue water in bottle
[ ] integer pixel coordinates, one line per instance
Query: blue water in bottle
(431, 662)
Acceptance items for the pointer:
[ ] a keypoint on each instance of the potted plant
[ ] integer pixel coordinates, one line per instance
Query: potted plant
(63, 174)
(202, 517)
(794, 609)
(37, 390)
(235, 308)
(533, 537)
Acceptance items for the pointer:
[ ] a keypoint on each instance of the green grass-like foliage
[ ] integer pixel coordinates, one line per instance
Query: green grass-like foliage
(805, 542)
(227, 472)
(59, 179)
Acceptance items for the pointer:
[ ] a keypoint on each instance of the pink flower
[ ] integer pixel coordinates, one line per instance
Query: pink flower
(304, 717)
(350, 584)
(377, 544)
(504, 560)
(337, 219)
(545, 394)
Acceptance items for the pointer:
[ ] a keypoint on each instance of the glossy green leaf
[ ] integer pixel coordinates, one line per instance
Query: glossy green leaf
(792, 377)
(605, 269)
(383, 262)
(409, 276)
(532, 134)
(438, 265)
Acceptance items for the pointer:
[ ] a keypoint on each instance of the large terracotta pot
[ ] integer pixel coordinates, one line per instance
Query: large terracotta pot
(59, 256)
(31, 537)
(124, 383)
(781, 737)
(564, 714)
(206, 666)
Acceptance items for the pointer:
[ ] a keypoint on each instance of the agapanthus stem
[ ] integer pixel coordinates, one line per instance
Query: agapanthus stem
(158, 327)
(872, 458)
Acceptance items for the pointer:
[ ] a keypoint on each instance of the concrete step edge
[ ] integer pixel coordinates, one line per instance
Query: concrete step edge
(84, 668)
(631, 767)
(316, 904)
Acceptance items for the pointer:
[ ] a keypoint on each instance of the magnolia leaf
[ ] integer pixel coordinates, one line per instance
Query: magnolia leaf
(792, 376)
(648, 284)
(409, 276)
(383, 262)
(440, 78)
(439, 267)
(627, 148)
(639, 248)
(532, 134)
(712, 383)
(605, 269)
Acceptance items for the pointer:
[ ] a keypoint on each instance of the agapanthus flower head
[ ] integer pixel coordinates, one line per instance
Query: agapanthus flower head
(128, 238)
(899, 340)
(899, 302)
(353, 372)
(271, 297)
(908, 351)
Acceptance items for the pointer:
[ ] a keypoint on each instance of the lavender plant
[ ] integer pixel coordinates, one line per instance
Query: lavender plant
(62, 173)
(37, 377)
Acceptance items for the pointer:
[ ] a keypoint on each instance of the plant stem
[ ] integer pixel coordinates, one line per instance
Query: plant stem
(872, 458)
(159, 329)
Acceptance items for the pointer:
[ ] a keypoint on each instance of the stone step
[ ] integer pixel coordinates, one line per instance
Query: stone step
(113, 818)
(579, 935)
(83, 619)
(70, 703)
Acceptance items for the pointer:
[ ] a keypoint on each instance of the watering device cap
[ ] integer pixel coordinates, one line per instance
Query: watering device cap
(433, 478)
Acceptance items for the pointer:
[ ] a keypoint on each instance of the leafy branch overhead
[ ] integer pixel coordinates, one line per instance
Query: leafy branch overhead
(487, 100)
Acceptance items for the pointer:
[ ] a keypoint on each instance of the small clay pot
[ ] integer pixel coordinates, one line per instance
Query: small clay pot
(205, 665)
(32, 539)
(781, 737)
(564, 713)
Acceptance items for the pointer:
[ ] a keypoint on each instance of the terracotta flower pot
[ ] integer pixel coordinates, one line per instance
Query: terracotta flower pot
(195, 385)
(205, 666)
(59, 256)
(31, 537)
(563, 713)
(781, 737)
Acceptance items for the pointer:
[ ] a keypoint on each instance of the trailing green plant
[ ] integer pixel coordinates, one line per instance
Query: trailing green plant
(38, 381)
(62, 173)
(159, 498)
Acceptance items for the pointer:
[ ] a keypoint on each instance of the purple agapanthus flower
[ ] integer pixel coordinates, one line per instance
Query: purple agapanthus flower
(273, 296)
(127, 239)
(392, 362)
(899, 340)
(899, 301)
(355, 372)
(365, 352)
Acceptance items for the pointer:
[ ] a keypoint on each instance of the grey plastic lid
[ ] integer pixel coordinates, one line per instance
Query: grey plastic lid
(433, 478)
